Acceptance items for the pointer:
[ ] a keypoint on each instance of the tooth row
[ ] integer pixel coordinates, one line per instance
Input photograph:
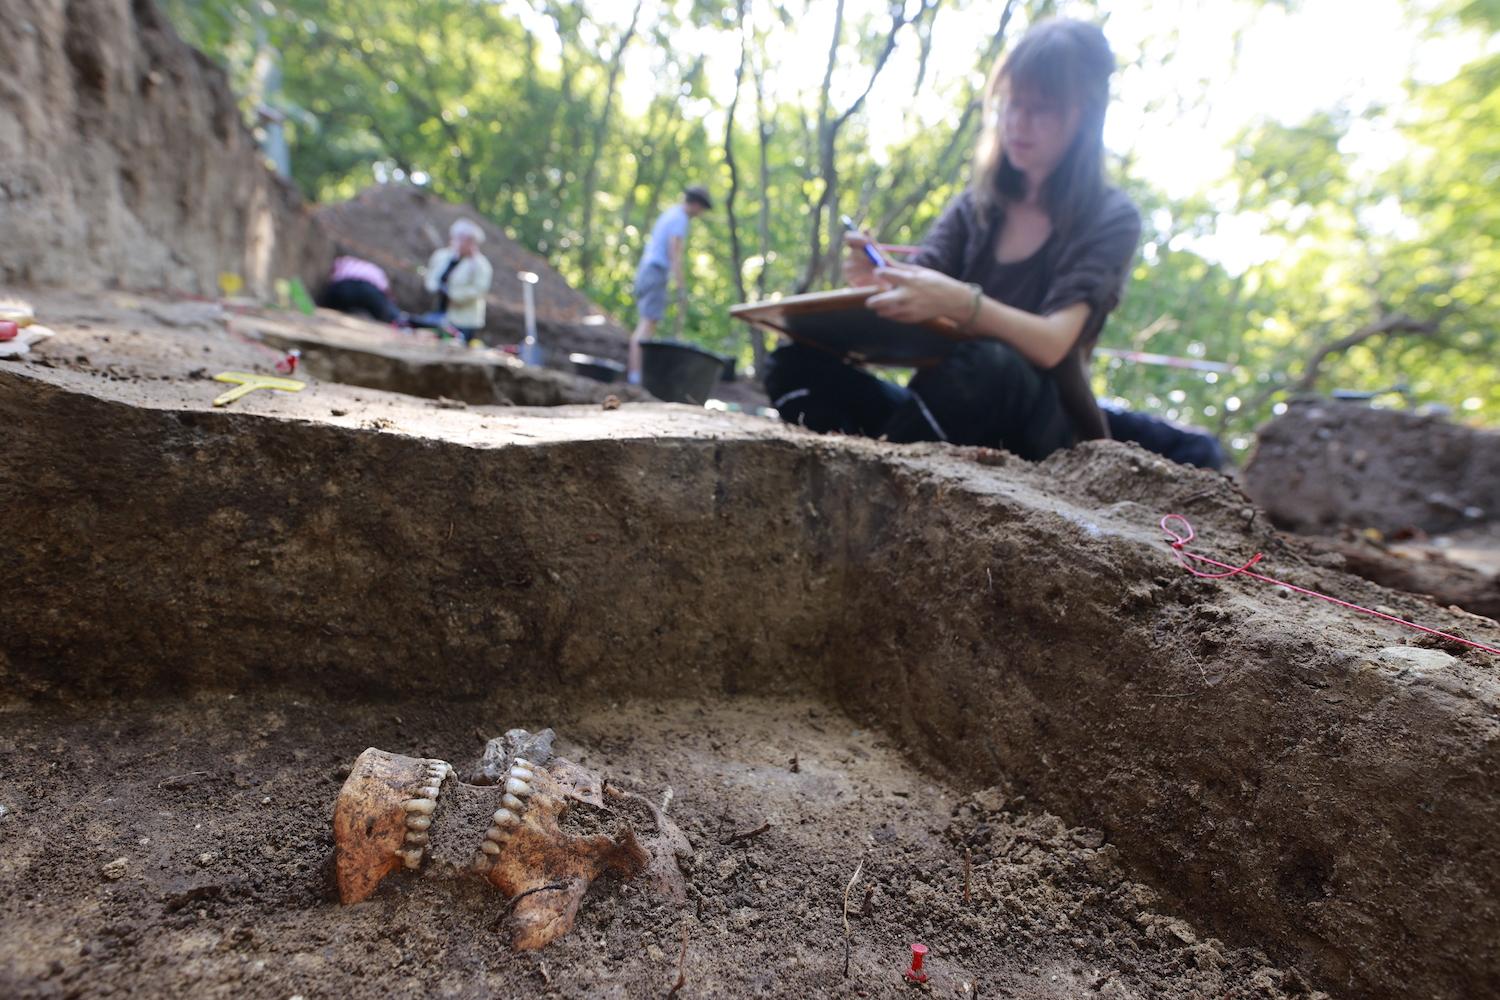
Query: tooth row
(419, 812)
(508, 817)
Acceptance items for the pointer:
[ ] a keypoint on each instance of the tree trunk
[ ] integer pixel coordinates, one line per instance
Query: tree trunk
(944, 167)
(736, 258)
(763, 130)
(601, 133)
(828, 131)
(815, 234)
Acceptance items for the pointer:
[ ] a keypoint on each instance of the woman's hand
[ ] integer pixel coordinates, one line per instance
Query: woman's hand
(917, 294)
(859, 271)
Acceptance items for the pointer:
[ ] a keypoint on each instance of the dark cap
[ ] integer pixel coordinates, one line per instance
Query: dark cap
(699, 194)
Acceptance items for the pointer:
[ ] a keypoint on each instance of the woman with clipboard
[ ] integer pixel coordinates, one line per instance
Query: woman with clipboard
(1029, 261)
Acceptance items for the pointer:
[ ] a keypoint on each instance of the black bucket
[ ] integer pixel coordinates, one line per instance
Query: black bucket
(678, 372)
(598, 369)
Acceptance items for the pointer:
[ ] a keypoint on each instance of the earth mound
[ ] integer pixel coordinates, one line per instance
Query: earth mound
(124, 161)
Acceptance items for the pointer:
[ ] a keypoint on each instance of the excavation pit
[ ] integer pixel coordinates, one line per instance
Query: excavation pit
(1159, 786)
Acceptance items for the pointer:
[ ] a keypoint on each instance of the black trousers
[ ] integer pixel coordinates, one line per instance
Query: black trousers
(360, 297)
(984, 393)
(1188, 447)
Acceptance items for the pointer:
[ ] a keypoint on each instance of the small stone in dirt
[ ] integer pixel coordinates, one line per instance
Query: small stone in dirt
(116, 869)
(611, 402)
(444, 403)
(208, 858)
(1092, 839)
(338, 413)
(4, 811)
(990, 800)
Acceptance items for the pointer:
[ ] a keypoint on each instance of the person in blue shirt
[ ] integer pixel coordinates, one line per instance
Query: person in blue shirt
(661, 268)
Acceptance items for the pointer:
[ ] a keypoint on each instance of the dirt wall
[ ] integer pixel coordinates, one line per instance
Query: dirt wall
(1310, 781)
(124, 161)
(1325, 465)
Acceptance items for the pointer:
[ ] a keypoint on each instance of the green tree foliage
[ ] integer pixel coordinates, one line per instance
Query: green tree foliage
(516, 107)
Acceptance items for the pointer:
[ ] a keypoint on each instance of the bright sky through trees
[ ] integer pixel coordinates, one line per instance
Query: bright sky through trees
(1195, 73)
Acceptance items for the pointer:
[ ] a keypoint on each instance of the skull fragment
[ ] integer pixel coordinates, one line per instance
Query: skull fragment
(539, 828)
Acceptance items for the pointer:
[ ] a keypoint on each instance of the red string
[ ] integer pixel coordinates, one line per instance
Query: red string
(1177, 540)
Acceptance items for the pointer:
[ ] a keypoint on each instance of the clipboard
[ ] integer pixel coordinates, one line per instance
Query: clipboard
(838, 322)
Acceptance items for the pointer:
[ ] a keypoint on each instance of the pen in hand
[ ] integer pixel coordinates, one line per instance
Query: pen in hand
(869, 246)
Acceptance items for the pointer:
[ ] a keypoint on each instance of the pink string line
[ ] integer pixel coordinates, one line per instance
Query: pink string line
(1177, 540)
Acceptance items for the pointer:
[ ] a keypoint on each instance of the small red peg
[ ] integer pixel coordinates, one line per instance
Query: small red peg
(918, 955)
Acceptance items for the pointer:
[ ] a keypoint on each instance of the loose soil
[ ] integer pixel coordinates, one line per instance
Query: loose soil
(162, 340)
(180, 848)
(1448, 571)
(1328, 465)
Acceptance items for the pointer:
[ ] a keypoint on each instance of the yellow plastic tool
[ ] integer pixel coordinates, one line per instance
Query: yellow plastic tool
(249, 382)
(18, 314)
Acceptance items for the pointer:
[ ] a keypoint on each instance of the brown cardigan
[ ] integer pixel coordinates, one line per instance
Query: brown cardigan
(1092, 265)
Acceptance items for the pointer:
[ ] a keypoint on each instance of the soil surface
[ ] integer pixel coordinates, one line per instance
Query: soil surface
(1461, 572)
(165, 341)
(181, 849)
(1328, 465)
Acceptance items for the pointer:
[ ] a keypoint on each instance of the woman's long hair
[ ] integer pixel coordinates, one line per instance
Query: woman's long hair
(1070, 63)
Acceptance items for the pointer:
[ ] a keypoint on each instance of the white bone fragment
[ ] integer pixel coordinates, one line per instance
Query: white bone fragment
(415, 822)
(423, 806)
(490, 847)
(429, 792)
(521, 774)
(512, 803)
(517, 787)
(504, 817)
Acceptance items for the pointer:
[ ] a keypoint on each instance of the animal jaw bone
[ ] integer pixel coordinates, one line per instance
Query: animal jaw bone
(529, 798)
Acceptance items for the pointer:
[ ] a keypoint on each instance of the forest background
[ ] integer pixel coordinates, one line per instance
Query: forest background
(1319, 179)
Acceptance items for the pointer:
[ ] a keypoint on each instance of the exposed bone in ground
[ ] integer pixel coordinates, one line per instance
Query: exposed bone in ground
(390, 815)
(224, 891)
(1292, 778)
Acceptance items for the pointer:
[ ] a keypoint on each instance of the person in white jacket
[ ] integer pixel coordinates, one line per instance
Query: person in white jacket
(460, 276)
